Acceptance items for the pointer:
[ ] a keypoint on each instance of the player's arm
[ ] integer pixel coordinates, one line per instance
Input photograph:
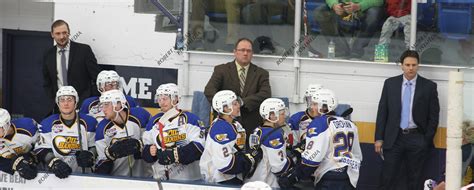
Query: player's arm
(192, 151)
(382, 114)
(275, 148)
(103, 165)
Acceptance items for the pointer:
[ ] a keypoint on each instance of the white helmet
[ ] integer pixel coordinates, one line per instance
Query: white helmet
(114, 96)
(67, 91)
(256, 185)
(4, 121)
(169, 89)
(224, 98)
(325, 97)
(272, 105)
(105, 77)
(310, 91)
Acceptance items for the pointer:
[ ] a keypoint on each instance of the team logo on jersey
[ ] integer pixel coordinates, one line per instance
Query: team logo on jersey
(95, 110)
(221, 137)
(111, 132)
(65, 144)
(172, 137)
(312, 131)
(57, 128)
(275, 142)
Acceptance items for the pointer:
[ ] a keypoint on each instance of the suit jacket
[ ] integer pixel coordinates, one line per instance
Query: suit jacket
(82, 71)
(425, 110)
(256, 89)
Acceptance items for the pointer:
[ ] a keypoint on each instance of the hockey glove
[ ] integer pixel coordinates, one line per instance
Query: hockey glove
(253, 156)
(123, 148)
(84, 158)
(59, 168)
(26, 169)
(168, 156)
(288, 179)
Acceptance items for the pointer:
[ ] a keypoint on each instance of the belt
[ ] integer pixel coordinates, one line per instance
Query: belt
(409, 131)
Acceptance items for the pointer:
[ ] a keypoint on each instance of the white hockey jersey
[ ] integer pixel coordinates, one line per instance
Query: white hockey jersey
(222, 142)
(63, 139)
(274, 161)
(298, 123)
(108, 132)
(176, 128)
(332, 143)
(22, 139)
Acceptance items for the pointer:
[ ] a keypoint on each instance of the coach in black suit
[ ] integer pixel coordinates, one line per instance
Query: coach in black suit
(69, 63)
(246, 79)
(407, 120)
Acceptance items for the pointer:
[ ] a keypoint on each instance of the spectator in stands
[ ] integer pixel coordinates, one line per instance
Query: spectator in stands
(399, 16)
(360, 16)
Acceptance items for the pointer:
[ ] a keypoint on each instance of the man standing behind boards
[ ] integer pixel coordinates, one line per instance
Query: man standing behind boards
(69, 64)
(246, 80)
(407, 120)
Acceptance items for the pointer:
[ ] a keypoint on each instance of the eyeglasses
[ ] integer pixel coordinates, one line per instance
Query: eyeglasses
(245, 50)
(63, 99)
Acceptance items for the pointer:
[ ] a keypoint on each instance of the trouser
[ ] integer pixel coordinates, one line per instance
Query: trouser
(392, 24)
(411, 148)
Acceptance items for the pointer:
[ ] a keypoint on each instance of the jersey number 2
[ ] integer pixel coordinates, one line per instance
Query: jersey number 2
(343, 144)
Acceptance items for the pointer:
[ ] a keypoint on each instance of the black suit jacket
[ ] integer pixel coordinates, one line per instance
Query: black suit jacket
(256, 89)
(82, 71)
(425, 110)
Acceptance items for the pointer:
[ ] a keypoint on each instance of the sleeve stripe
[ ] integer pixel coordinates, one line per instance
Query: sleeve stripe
(198, 146)
(230, 166)
(310, 163)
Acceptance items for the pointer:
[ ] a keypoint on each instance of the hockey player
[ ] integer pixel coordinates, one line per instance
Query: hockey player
(299, 122)
(106, 80)
(174, 139)
(270, 137)
(16, 142)
(332, 153)
(67, 139)
(224, 159)
(118, 137)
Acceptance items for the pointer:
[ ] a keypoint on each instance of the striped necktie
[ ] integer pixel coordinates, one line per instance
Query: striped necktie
(242, 79)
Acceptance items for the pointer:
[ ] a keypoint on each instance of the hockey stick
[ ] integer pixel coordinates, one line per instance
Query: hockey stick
(126, 133)
(79, 134)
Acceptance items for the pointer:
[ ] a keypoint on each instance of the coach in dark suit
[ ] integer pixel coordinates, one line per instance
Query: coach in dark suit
(407, 120)
(247, 80)
(69, 63)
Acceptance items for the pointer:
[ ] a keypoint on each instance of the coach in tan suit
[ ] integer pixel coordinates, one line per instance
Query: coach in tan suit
(247, 80)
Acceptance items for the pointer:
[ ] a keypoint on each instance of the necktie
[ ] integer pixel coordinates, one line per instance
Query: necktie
(406, 101)
(63, 66)
(242, 79)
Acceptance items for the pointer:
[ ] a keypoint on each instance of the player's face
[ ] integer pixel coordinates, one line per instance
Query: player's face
(282, 117)
(313, 107)
(111, 86)
(60, 34)
(243, 53)
(410, 67)
(67, 104)
(108, 109)
(235, 108)
(165, 102)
